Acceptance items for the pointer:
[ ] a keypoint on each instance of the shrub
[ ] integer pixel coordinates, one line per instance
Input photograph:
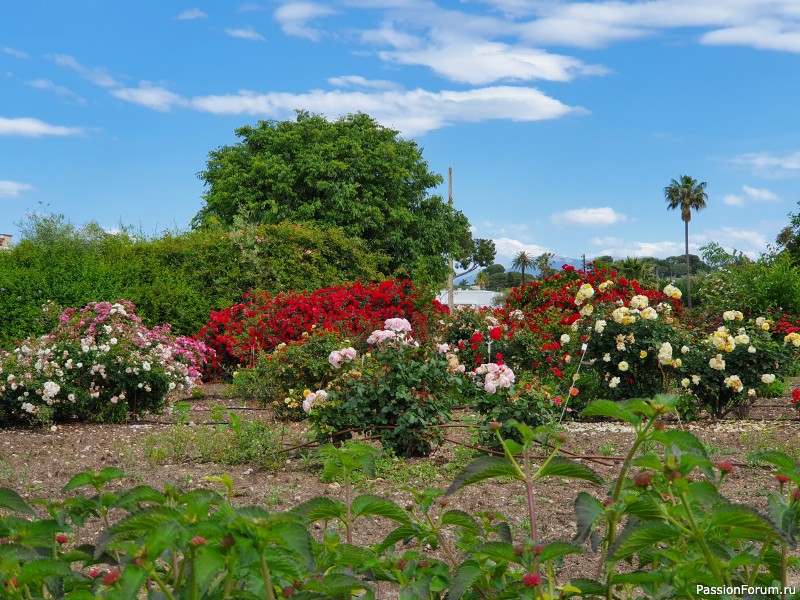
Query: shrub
(176, 277)
(98, 364)
(263, 322)
(278, 378)
(396, 391)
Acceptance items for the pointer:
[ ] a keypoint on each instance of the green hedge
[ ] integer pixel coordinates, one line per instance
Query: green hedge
(177, 278)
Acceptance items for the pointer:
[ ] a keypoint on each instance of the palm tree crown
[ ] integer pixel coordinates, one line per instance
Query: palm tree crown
(686, 194)
(522, 261)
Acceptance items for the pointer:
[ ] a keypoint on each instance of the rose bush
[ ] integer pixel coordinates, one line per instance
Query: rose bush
(262, 321)
(98, 364)
(396, 391)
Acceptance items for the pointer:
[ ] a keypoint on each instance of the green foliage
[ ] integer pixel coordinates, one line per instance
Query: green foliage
(772, 283)
(396, 391)
(243, 441)
(177, 278)
(350, 173)
(279, 378)
(662, 529)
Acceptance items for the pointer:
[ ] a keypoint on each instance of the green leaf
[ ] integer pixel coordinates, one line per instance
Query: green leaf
(207, 565)
(648, 461)
(39, 570)
(367, 504)
(561, 466)
(587, 588)
(321, 508)
(602, 408)
(641, 535)
(132, 581)
(499, 552)
(744, 522)
(773, 457)
(684, 440)
(339, 584)
(555, 550)
(588, 510)
(110, 474)
(13, 501)
(138, 495)
(87, 477)
(645, 507)
(145, 519)
(465, 576)
(481, 469)
(399, 534)
(459, 518)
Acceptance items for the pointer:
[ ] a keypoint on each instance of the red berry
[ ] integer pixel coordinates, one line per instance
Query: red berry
(198, 540)
(94, 573)
(531, 579)
(781, 479)
(62, 539)
(725, 467)
(111, 577)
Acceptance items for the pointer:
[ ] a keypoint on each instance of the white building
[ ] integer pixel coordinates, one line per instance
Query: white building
(5, 241)
(472, 298)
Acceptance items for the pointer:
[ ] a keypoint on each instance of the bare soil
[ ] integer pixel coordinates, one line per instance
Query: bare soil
(38, 463)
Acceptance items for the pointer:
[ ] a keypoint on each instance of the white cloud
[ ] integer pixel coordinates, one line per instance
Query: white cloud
(150, 96)
(764, 35)
(12, 189)
(588, 217)
(769, 163)
(733, 200)
(752, 243)
(28, 127)
(760, 194)
(480, 62)
(622, 248)
(294, 18)
(59, 90)
(15, 52)
(413, 112)
(344, 81)
(96, 75)
(191, 14)
(508, 248)
(250, 7)
(245, 33)
(605, 241)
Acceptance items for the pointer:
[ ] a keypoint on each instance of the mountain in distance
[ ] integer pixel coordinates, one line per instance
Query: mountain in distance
(507, 249)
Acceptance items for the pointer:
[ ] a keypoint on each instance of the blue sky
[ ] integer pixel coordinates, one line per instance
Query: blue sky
(563, 121)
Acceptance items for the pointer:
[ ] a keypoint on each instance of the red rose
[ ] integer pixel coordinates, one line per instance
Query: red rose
(495, 333)
(476, 338)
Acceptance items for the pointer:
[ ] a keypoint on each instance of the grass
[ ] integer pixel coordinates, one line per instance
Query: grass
(241, 442)
(769, 438)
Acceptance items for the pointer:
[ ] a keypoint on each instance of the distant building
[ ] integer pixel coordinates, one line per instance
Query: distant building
(5, 241)
(472, 298)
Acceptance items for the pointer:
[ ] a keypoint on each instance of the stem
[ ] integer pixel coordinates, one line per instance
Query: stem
(531, 499)
(700, 539)
(267, 577)
(783, 571)
(348, 491)
(611, 529)
(161, 585)
(192, 576)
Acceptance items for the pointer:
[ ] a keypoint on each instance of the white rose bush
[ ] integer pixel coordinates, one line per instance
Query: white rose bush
(99, 364)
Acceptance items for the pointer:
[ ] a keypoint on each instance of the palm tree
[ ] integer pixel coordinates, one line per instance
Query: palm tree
(522, 261)
(686, 194)
(482, 280)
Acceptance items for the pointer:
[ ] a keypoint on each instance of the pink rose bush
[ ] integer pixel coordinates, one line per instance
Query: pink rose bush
(98, 364)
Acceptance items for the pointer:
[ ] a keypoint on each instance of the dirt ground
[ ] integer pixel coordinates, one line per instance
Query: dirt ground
(38, 463)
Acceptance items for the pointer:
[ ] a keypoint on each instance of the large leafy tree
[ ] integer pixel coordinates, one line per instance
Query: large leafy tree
(350, 173)
(686, 194)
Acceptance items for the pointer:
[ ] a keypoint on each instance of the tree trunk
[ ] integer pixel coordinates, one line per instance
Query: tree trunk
(688, 274)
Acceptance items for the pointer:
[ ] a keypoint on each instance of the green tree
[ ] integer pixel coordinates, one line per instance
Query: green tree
(522, 261)
(543, 263)
(639, 269)
(482, 280)
(686, 194)
(350, 173)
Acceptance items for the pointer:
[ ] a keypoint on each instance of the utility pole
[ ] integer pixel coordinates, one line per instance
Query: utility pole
(450, 292)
